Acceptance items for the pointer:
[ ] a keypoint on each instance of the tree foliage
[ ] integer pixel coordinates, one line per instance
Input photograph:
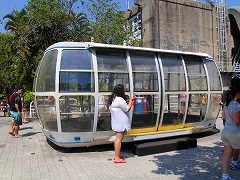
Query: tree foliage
(42, 23)
(15, 19)
(108, 23)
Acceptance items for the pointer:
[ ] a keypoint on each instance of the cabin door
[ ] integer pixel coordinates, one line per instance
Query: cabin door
(145, 112)
(145, 84)
(175, 95)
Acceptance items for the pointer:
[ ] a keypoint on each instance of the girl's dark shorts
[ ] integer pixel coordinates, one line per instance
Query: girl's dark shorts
(122, 132)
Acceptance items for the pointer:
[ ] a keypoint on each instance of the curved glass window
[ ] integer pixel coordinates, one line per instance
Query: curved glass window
(111, 60)
(76, 59)
(215, 98)
(196, 73)
(77, 113)
(144, 70)
(76, 81)
(174, 78)
(104, 116)
(108, 80)
(45, 81)
(197, 108)
(76, 73)
(112, 69)
(47, 112)
(174, 109)
(214, 77)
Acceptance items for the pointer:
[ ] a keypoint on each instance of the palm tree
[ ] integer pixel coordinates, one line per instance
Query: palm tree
(80, 21)
(14, 19)
(77, 22)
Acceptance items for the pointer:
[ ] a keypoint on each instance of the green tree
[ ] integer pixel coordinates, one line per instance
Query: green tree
(30, 31)
(8, 59)
(15, 53)
(14, 19)
(108, 23)
(44, 22)
(79, 24)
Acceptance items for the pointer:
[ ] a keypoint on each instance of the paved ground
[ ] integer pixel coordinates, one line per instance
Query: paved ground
(31, 157)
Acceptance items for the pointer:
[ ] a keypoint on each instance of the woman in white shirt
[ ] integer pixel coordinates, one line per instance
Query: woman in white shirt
(119, 109)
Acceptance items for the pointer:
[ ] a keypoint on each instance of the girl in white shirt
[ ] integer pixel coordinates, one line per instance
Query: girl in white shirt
(119, 109)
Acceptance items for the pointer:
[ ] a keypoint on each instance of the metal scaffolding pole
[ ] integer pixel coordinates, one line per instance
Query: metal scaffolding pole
(223, 63)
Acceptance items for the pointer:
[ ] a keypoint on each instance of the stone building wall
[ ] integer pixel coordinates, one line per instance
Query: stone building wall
(184, 25)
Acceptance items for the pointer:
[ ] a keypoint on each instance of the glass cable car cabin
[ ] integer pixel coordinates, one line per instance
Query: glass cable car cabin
(178, 93)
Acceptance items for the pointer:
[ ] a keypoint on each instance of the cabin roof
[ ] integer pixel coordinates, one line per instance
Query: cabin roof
(92, 45)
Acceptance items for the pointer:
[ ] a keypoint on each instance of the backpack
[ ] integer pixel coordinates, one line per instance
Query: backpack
(10, 99)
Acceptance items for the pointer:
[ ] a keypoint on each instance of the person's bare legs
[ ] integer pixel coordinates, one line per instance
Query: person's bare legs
(23, 117)
(226, 158)
(117, 146)
(16, 129)
(182, 111)
(235, 154)
(12, 128)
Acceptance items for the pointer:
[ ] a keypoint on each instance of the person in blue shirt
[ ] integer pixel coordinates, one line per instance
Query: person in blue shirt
(231, 133)
(227, 93)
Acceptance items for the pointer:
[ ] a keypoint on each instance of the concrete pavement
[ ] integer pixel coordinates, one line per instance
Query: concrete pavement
(31, 157)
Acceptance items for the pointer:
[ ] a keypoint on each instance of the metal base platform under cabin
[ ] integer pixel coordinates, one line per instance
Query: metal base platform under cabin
(164, 146)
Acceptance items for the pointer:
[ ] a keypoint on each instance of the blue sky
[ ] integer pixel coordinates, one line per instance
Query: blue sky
(6, 6)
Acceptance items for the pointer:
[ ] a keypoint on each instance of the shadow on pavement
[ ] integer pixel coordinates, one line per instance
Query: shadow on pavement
(24, 128)
(126, 148)
(199, 163)
(30, 134)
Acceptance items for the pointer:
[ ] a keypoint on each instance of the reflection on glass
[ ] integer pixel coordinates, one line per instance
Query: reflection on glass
(52, 106)
(111, 60)
(77, 113)
(143, 62)
(76, 59)
(197, 83)
(197, 107)
(112, 69)
(109, 80)
(104, 119)
(103, 85)
(214, 77)
(47, 112)
(46, 73)
(140, 80)
(102, 105)
(173, 72)
(76, 82)
(214, 106)
(144, 71)
(196, 73)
